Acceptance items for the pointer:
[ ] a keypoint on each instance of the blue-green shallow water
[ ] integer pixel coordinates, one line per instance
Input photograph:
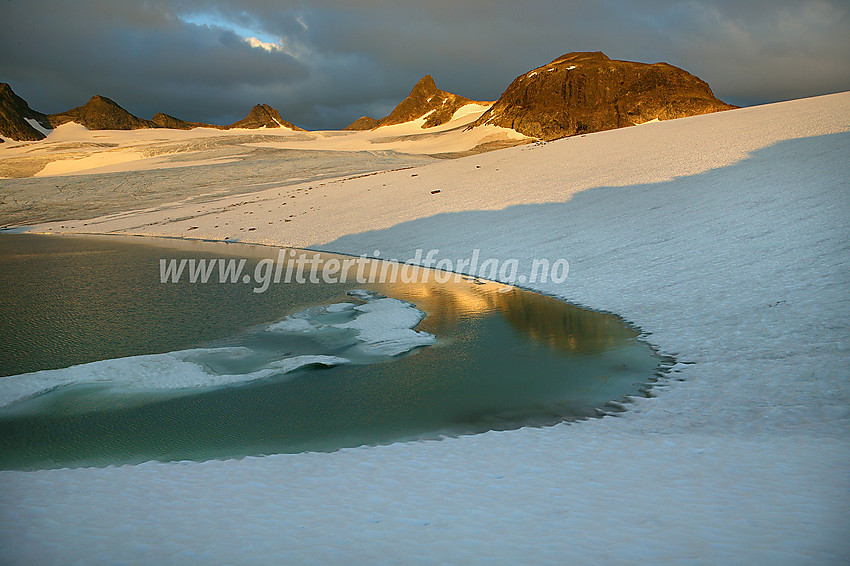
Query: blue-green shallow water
(502, 359)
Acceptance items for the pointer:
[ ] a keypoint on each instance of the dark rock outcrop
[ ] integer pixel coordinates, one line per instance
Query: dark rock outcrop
(100, 113)
(588, 92)
(263, 115)
(14, 112)
(362, 123)
(424, 98)
(167, 121)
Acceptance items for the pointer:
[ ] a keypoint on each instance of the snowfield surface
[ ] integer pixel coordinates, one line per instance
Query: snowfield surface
(38, 127)
(724, 237)
(72, 149)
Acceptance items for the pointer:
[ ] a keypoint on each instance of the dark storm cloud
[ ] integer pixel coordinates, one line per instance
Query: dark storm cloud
(327, 62)
(142, 56)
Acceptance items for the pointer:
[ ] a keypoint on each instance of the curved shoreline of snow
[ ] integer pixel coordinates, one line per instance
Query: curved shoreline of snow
(722, 236)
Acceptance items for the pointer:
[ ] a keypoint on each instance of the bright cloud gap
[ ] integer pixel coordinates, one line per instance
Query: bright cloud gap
(256, 38)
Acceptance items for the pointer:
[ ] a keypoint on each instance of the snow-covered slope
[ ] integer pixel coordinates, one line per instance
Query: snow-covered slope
(72, 149)
(724, 237)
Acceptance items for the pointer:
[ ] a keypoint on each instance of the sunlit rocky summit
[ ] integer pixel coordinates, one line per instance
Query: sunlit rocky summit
(100, 113)
(585, 92)
(425, 101)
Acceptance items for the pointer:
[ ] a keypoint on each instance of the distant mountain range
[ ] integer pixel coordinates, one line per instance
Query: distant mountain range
(102, 113)
(260, 116)
(574, 94)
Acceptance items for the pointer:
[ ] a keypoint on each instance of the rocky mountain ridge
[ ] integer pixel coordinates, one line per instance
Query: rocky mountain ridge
(102, 113)
(16, 117)
(576, 93)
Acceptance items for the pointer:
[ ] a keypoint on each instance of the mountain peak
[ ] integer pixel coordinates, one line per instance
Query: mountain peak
(167, 121)
(426, 85)
(425, 98)
(586, 56)
(362, 123)
(100, 113)
(263, 116)
(587, 92)
(16, 117)
(100, 100)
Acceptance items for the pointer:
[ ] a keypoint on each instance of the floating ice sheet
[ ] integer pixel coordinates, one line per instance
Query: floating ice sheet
(337, 334)
(185, 369)
(381, 326)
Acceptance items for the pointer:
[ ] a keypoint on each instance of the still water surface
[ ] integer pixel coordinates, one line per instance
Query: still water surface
(499, 359)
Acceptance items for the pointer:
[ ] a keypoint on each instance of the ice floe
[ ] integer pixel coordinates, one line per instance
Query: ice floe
(381, 326)
(180, 370)
(377, 329)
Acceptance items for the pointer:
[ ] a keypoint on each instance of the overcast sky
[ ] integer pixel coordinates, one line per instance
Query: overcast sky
(324, 63)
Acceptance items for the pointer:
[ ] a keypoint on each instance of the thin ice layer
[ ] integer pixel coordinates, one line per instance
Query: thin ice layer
(184, 369)
(373, 331)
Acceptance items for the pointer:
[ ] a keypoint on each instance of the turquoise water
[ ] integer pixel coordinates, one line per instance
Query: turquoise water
(499, 359)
